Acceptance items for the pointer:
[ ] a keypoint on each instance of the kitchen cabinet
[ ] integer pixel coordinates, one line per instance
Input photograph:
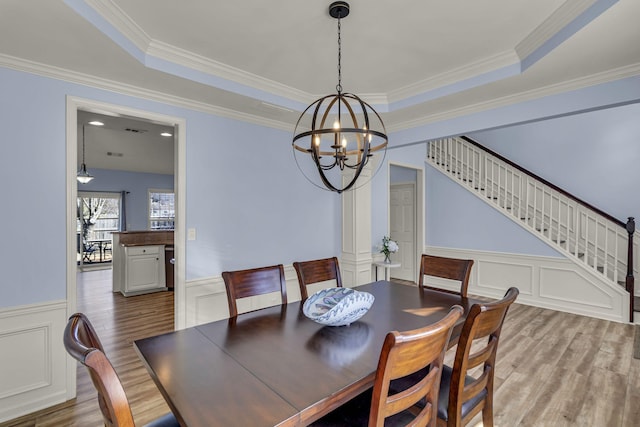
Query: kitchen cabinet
(144, 269)
(135, 269)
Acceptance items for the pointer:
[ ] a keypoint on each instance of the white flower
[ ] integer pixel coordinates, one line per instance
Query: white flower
(388, 246)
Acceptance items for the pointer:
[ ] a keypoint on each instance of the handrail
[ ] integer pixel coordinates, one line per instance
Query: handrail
(593, 237)
(545, 182)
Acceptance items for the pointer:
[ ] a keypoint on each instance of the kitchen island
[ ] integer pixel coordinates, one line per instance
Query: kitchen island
(139, 261)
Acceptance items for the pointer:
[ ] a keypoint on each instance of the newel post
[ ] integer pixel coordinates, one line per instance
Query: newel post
(629, 283)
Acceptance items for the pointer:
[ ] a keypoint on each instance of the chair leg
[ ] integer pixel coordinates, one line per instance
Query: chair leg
(487, 414)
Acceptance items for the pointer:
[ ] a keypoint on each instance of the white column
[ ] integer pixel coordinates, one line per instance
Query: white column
(356, 233)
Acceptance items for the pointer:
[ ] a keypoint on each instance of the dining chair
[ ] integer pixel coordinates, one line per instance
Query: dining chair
(320, 270)
(402, 354)
(446, 268)
(462, 396)
(252, 282)
(82, 343)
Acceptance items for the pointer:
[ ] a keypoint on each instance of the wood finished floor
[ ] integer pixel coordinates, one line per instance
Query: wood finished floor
(554, 369)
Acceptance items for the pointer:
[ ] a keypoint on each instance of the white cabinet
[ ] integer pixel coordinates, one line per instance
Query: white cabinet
(143, 269)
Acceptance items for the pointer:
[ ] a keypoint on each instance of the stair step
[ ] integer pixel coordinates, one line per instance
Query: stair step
(636, 304)
(560, 242)
(579, 255)
(600, 268)
(492, 197)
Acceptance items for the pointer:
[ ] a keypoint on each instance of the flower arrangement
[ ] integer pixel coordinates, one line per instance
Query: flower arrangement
(388, 247)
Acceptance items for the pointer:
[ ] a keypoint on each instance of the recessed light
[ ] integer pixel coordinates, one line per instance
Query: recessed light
(165, 134)
(96, 123)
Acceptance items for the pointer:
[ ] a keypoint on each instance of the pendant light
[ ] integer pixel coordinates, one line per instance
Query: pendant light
(339, 133)
(83, 176)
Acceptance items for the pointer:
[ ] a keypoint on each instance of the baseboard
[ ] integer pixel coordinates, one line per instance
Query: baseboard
(546, 282)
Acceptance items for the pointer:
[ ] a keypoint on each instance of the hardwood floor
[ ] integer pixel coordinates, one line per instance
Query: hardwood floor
(553, 369)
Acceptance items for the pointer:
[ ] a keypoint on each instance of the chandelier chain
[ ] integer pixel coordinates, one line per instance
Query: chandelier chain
(83, 150)
(339, 85)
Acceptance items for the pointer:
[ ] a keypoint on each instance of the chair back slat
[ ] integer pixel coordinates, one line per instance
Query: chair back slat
(446, 268)
(315, 271)
(252, 282)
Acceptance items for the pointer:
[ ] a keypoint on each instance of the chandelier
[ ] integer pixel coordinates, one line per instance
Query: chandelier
(338, 135)
(83, 176)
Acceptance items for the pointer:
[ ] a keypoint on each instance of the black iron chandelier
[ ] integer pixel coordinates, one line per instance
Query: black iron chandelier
(339, 133)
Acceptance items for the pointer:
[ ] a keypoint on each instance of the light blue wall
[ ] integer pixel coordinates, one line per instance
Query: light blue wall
(401, 174)
(137, 184)
(456, 218)
(245, 196)
(594, 155)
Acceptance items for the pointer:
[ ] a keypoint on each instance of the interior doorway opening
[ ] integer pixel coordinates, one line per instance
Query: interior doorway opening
(75, 108)
(406, 219)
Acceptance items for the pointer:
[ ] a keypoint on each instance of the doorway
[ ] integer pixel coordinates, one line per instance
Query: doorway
(406, 219)
(73, 107)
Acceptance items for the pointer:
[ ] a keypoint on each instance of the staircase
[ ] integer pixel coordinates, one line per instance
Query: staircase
(584, 234)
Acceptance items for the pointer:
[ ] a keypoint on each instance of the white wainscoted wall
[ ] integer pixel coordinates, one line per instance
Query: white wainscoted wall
(33, 363)
(546, 282)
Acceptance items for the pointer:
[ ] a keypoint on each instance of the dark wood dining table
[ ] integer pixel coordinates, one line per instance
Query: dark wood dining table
(274, 366)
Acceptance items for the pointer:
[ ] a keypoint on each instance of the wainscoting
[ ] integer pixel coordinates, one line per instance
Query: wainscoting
(206, 299)
(33, 362)
(554, 283)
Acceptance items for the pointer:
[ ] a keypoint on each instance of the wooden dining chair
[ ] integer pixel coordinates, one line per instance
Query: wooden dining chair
(82, 343)
(320, 270)
(403, 354)
(462, 396)
(252, 282)
(446, 268)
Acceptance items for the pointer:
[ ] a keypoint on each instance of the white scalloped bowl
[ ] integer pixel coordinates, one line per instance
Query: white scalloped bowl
(337, 306)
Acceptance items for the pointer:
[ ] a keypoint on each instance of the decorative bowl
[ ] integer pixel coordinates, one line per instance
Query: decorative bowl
(337, 306)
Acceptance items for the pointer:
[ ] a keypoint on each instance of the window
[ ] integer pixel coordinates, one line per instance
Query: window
(161, 210)
(98, 216)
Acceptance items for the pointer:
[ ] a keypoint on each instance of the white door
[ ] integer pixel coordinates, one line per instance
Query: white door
(403, 226)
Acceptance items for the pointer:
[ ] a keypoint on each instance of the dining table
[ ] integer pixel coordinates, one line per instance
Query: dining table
(275, 366)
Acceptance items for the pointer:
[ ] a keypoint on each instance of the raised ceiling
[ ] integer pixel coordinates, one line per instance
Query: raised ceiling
(416, 61)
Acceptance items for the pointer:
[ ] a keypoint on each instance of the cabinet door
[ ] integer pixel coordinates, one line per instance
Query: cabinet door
(143, 272)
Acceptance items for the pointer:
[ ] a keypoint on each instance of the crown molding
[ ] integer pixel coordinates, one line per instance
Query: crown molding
(554, 89)
(553, 25)
(190, 60)
(456, 76)
(122, 22)
(62, 74)
(70, 76)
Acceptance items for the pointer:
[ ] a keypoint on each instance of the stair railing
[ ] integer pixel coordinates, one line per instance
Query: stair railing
(574, 227)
